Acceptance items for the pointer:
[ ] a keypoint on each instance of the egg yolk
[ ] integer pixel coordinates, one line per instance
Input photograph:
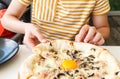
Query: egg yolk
(69, 64)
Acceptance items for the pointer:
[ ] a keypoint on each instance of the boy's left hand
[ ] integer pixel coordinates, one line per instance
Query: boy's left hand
(89, 34)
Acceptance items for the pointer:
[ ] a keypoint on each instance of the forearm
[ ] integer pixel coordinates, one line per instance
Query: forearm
(13, 24)
(102, 25)
(105, 31)
(11, 17)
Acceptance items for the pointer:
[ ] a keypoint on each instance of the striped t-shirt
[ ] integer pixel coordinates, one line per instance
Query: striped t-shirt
(62, 19)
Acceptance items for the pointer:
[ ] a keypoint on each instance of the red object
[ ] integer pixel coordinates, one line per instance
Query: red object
(3, 32)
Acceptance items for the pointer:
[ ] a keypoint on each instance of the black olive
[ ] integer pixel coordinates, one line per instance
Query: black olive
(54, 78)
(117, 73)
(91, 56)
(53, 51)
(60, 74)
(75, 52)
(67, 72)
(73, 56)
(68, 52)
(55, 57)
(50, 44)
(91, 75)
(93, 49)
(76, 71)
(83, 65)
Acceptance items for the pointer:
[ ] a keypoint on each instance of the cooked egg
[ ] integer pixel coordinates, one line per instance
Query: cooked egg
(69, 64)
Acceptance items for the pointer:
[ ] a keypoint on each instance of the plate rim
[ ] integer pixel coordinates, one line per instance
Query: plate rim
(13, 54)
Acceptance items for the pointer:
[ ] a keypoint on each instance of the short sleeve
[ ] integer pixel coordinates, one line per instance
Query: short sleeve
(101, 7)
(25, 2)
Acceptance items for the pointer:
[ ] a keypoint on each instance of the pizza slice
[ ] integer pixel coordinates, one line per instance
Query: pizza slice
(63, 59)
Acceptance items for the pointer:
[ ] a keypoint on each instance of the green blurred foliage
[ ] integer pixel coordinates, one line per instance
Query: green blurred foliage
(115, 4)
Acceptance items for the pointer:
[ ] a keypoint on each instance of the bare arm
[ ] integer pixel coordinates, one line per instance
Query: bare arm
(11, 18)
(102, 25)
(10, 21)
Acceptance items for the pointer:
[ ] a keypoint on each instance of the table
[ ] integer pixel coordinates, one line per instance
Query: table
(9, 70)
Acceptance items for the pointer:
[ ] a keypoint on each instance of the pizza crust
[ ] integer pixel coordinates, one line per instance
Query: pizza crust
(112, 64)
(26, 69)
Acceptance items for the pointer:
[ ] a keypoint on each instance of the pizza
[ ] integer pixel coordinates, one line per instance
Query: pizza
(63, 59)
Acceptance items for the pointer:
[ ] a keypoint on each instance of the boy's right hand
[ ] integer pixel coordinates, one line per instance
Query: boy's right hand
(33, 36)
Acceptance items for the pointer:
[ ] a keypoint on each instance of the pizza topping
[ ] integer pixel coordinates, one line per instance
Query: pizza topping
(50, 44)
(90, 75)
(55, 57)
(93, 49)
(53, 51)
(68, 73)
(54, 78)
(71, 43)
(42, 58)
(91, 57)
(68, 52)
(69, 64)
(83, 65)
(116, 73)
(60, 74)
(76, 71)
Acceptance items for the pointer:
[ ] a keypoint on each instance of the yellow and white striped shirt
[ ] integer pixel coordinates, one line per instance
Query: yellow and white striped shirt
(62, 19)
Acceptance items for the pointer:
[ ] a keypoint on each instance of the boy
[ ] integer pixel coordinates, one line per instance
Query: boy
(60, 19)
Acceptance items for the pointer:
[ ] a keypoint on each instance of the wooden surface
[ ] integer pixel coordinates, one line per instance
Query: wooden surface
(114, 21)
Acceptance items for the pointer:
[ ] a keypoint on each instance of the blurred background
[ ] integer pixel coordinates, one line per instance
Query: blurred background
(115, 5)
(114, 21)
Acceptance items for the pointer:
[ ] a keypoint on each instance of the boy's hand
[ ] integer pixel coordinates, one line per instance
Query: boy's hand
(89, 34)
(33, 36)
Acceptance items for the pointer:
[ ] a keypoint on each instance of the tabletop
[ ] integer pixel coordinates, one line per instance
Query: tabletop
(9, 70)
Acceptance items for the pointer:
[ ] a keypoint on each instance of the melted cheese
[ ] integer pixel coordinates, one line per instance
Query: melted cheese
(85, 67)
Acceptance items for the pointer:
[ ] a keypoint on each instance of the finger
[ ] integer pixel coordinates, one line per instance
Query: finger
(101, 41)
(90, 34)
(39, 36)
(81, 35)
(28, 42)
(97, 37)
